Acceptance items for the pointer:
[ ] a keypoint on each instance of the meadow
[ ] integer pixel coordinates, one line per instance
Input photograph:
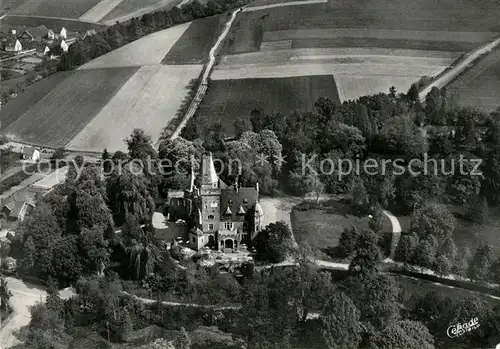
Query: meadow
(63, 112)
(148, 100)
(70, 24)
(479, 86)
(227, 99)
(148, 50)
(195, 43)
(126, 7)
(99, 10)
(54, 8)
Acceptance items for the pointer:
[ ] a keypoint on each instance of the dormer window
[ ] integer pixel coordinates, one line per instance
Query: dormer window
(245, 201)
(211, 216)
(228, 211)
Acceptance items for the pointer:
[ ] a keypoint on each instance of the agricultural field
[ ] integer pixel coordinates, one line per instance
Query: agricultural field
(26, 100)
(54, 8)
(227, 99)
(480, 85)
(70, 24)
(61, 114)
(129, 7)
(462, 16)
(149, 100)
(145, 51)
(100, 10)
(195, 43)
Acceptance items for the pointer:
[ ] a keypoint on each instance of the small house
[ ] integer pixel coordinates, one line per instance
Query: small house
(30, 153)
(50, 35)
(63, 34)
(18, 207)
(13, 45)
(37, 34)
(64, 46)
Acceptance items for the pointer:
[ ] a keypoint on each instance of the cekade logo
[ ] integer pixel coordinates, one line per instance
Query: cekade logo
(460, 329)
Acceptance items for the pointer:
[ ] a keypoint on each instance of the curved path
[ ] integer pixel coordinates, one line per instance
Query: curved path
(458, 68)
(396, 231)
(202, 89)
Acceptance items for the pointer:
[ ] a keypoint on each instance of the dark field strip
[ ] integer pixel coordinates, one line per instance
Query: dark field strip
(26, 100)
(60, 115)
(55, 8)
(479, 86)
(54, 23)
(227, 99)
(195, 43)
(385, 43)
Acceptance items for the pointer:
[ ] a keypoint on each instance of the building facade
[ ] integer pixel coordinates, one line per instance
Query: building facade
(224, 216)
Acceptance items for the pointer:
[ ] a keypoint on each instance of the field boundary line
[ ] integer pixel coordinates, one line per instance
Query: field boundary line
(468, 61)
(203, 85)
(59, 18)
(283, 4)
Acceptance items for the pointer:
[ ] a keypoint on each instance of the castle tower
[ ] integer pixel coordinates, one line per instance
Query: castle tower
(209, 198)
(209, 179)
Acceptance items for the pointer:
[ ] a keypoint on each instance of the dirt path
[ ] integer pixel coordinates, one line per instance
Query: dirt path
(469, 58)
(283, 4)
(206, 74)
(24, 296)
(396, 232)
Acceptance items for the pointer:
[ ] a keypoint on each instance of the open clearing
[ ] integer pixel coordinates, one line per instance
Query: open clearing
(195, 43)
(100, 10)
(54, 8)
(61, 114)
(26, 100)
(227, 99)
(480, 85)
(149, 100)
(146, 51)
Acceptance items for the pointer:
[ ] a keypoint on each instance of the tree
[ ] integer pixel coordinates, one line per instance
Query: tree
(347, 242)
(341, 327)
(477, 210)
(406, 334)
(66, 259)
(433, 219)
(5, 294)
(461, 265)
(367, 254)
(406, 248)
(360, 199)
(242, 124)
(425, 253)
(448, 249)
(139, 145)
(274, 243)
(442, 265)
(94, 250)
(480, 266)
(182, 341)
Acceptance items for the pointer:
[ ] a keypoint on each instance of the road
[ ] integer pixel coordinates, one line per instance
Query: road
(447, 77)
(202, 89)
(396, 231)
(24, 295)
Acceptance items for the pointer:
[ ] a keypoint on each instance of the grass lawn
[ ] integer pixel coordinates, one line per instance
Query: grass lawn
(227, 99)
(479, 86)
(195, 43)
(321, 225)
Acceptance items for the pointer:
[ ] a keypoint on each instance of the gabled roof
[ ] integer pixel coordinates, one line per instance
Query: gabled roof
(232, 200)
(241, 211)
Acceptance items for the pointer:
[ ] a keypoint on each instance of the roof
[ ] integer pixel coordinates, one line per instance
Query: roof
(244, 198)
(28, 151)
(36, 32)
(16, 202)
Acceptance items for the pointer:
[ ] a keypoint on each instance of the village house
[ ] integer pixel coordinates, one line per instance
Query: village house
(225, 216)
(18, 206)
(12, 45)
(30, 153)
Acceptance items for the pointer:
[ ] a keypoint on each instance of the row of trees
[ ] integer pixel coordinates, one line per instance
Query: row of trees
(120, 34)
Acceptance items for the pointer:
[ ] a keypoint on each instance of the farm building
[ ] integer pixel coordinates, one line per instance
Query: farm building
(37, 34)
(30, 153)
(18, 206)
(13, 45)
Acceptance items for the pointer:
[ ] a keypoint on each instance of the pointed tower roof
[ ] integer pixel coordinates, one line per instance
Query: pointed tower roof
(209, 175)
(228, 211)
(241, 210)
(191, 183)
(258, 210)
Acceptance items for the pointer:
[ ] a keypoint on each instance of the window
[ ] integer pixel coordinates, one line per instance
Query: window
(228, 225)
(210, 216)
(213, 205)
(210, 226)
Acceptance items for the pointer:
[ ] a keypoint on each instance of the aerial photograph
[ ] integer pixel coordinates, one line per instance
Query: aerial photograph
(250, 174)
